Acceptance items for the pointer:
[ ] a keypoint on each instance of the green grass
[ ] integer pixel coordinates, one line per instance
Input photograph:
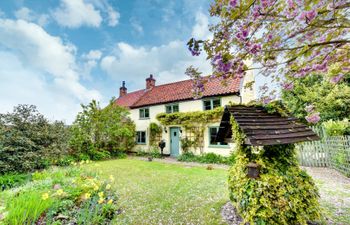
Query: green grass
(158, 193)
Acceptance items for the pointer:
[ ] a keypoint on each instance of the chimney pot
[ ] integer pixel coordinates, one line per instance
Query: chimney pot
(150, 82)
(123, 90)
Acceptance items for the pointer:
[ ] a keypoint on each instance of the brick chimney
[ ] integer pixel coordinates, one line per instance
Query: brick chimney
(123, 90)
(150, 82)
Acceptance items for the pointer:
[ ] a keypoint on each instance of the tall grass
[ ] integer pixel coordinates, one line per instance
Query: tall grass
(26, 208)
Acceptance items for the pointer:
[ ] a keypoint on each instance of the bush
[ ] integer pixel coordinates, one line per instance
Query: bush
(337, 128)
(101, 133)
(206, 158)
(8, 181)
(60, 196)
(28, 141)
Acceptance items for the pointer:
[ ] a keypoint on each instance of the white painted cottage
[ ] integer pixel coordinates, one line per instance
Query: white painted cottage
(145, 104)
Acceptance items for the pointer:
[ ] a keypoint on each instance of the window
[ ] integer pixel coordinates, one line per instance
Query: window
(212, 136)
(172, 108)
(144, 113)
(210, 104)
(141, 137)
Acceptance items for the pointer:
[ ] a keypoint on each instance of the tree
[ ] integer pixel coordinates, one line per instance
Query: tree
(98, 133)
(285, 39)
(332, 101)
(28, 141)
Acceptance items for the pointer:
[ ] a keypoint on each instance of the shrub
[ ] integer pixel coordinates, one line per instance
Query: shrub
(28, 141)
(8, 181)
(100, 133)
(337, 128)
(206, 158)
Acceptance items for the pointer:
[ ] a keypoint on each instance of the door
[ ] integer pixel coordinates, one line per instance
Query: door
(174, 141)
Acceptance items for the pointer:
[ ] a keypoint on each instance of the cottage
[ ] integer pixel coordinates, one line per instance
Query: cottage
(146, 104)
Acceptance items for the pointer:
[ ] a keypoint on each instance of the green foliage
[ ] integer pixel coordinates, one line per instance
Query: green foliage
(101, 133)
(60, 196)
(332, 101)
(283, 193)
(186, 144)
(337, 128)
(8, 181)
(155, 134)
(206, 158)
(28, 141)
(154, 153)
(194, 123)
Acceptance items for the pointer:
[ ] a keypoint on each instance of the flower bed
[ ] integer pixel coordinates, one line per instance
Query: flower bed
(59, 196)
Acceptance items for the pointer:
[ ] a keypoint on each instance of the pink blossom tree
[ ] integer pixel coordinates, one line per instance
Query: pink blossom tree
(284, 39)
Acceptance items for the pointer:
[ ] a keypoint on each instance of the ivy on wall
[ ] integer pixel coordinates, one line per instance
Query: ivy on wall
(283, 193)
(194, 124)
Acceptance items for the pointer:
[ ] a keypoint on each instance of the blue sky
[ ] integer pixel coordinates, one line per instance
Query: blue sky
(58, 54)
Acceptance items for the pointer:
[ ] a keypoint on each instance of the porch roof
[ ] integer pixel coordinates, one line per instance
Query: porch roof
(262, 128)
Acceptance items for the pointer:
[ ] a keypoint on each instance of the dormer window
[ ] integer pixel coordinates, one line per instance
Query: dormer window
(172, 108)
(209, 104)
(144, 113)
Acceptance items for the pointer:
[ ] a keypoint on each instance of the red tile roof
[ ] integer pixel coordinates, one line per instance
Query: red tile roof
(177, 91)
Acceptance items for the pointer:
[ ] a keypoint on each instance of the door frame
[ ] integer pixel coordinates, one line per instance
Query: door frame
(171, 141)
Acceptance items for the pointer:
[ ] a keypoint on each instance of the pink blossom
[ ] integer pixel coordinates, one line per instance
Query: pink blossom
(313, 118)
(288, 86)
(233, 3)
(337, 78)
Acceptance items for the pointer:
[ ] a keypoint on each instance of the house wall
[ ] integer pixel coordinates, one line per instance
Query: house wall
(184, 106)
(247, 95)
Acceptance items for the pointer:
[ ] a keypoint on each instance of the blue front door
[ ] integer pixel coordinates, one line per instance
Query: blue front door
(174, 141)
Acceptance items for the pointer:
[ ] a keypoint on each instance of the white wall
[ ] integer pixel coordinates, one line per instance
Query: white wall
(184, 106)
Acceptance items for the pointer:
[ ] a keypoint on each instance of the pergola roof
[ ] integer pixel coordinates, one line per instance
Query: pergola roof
(262, 128)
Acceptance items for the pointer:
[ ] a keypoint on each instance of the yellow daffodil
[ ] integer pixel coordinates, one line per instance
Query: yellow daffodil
(96, 187)
(108, 186)
(100, 201)
(110, 201)
(87, 196)
(60, 192)
(111, 178)
(100, 194)
(45, 196)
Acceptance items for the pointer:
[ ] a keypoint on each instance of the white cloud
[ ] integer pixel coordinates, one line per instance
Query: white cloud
(113, 17)
(91, 13)
(25, 13)
(91, 60)
(135, 24)
(76, 13)
(167, 62)
(201, 28)
(41, 69)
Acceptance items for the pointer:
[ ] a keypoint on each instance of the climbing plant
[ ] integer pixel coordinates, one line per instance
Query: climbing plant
(155, 134)
(194, 124)
(282, 194)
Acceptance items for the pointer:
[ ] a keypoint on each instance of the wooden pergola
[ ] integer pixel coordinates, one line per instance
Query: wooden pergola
(262, 128)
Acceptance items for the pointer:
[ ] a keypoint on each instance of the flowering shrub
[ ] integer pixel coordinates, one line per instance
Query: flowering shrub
(284, 39)
(60, 196)
(337, 128)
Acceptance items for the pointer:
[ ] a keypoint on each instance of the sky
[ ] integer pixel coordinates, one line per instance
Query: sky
(58, 54)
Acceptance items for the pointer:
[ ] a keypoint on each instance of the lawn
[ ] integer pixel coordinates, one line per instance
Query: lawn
(158, 193)
(161, 193)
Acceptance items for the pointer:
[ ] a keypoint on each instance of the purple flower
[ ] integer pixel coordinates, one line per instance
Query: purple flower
(255, 48)
(313, 118)
(245, 33)
(337, 78)
(233, 3)
(288, 86)
(311, 14)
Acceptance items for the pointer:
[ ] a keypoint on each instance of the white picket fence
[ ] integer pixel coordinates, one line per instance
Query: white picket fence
(329, 152)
